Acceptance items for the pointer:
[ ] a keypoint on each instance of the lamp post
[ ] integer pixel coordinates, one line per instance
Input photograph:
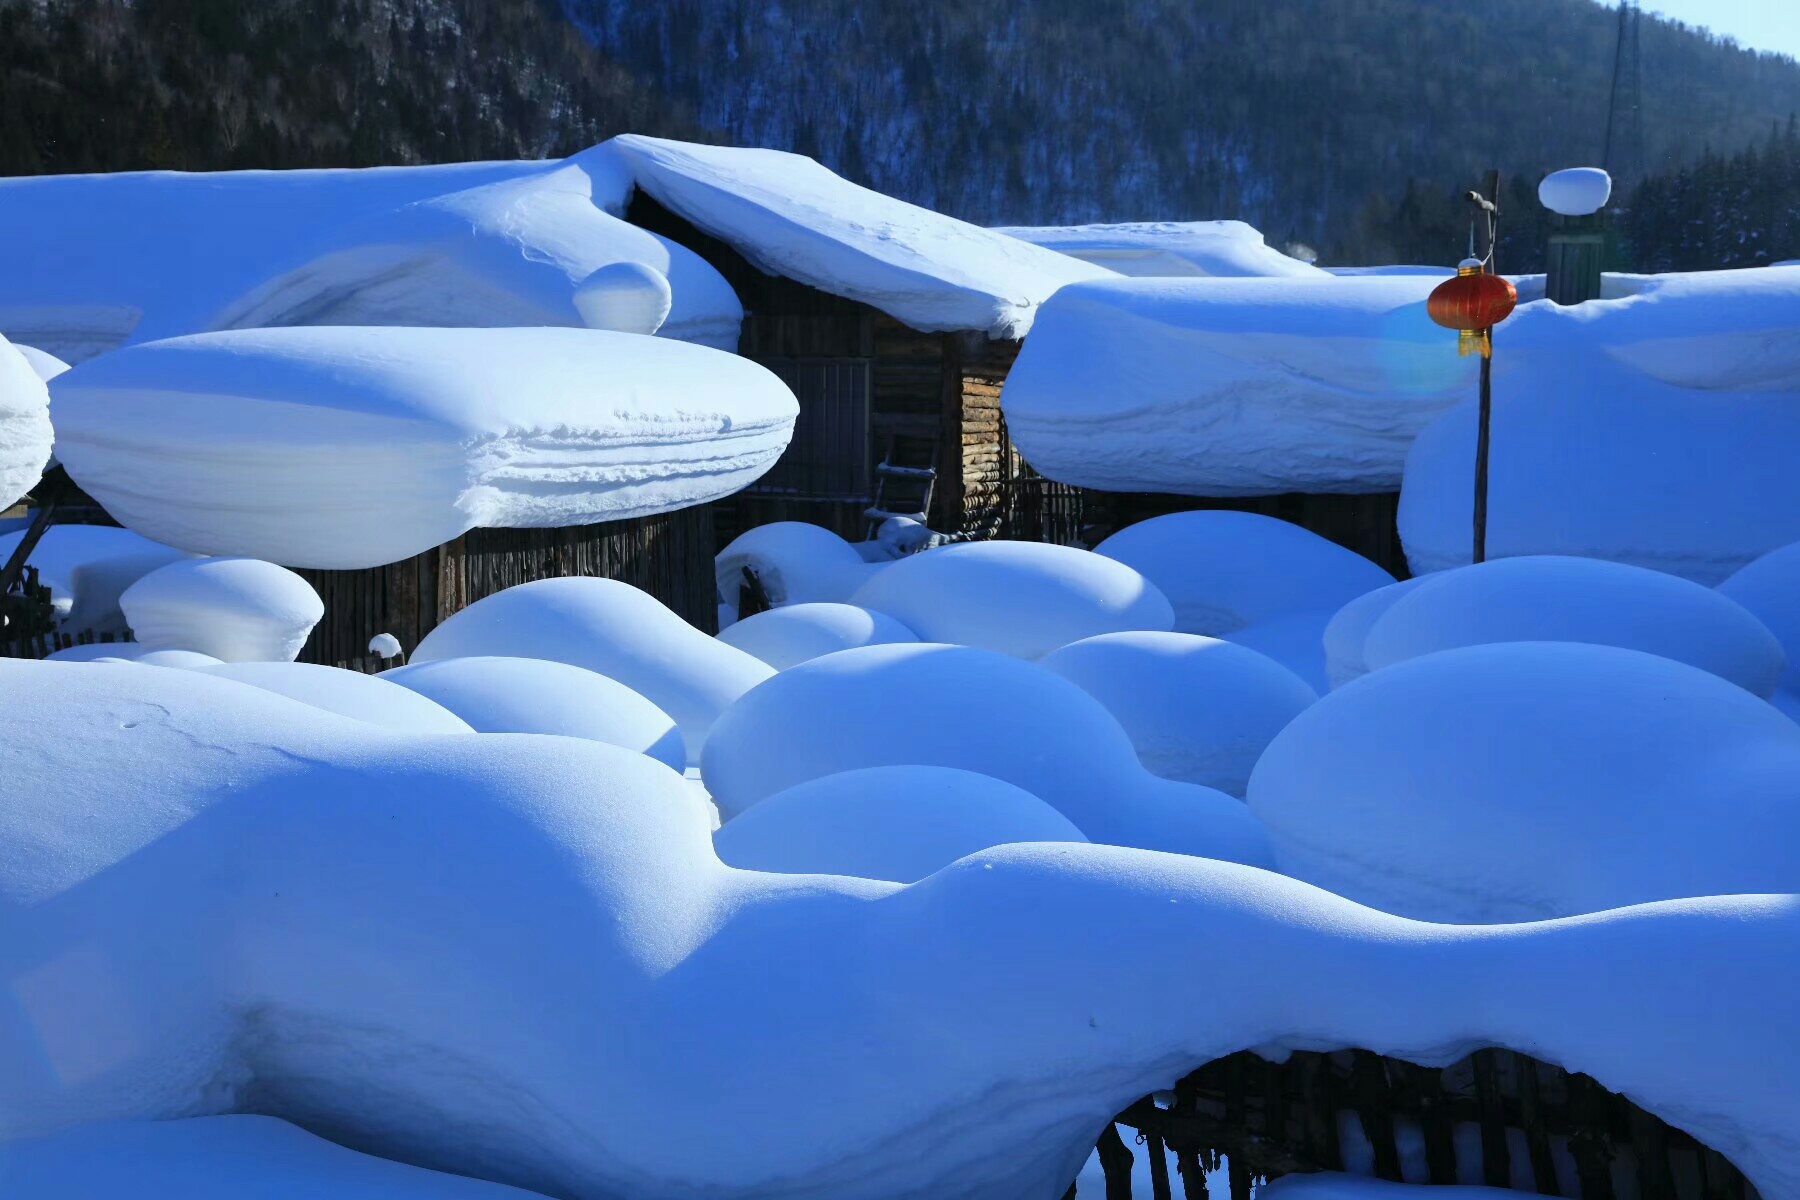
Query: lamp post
(1472, 303)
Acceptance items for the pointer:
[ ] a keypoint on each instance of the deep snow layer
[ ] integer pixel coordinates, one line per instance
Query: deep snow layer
(1169, 248)
(24, 424)
(217, 900)
(790, 216)
(354, 447)
(1656, 428)
(1526, 780)
(1232, 387)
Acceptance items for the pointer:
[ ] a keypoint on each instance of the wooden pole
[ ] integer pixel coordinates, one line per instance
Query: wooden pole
(1484, 416)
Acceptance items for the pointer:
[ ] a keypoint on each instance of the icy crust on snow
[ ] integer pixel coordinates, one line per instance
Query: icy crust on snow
(790, 216)
(218, 1158)
(1019, 598)
(1224, 570)
(235, 609)
(346, 693)
(24, 424)
(796, 562)
(369, 934)
(786, 637)
(1169, 248)
(1655, 429)
(353, 447)
(511, 253)
(1551, 599)
(103, 248)
(1232, 387)
(1527, 780)
(973, 710)
(533, 695)
(1196, 709)
(894, 823)
(611, 627)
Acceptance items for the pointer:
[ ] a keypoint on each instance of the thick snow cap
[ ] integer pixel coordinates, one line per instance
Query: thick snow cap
(786, 637)
(1169, 248)
(1232, 387)
(975, 710)
(1224, 571)
(894, 823)
(354, 447)
(603, 625)
(1576, 191)
(538, 250)
(1196, 709)
(1527, 780)
(796, 562)
(1553, 599)
(346, 693)
(1655, 429)
(235, 609)
(534, 695)
(517, 958)
(1020, 598)
(792, 217)
(24, 424)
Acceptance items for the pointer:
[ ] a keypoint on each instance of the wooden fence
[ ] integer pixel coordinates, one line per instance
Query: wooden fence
(1528, 1125)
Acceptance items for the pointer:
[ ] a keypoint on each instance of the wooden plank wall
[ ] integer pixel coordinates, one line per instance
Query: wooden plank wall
(670, 556)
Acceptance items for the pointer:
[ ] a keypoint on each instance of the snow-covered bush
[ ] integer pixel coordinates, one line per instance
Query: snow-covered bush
(1019, 598)
(896, 823)
(610, 627)
(1196, 709)
(972, 709)
(1527, 780)
(536, 695)
(784, 637)
(235, 609)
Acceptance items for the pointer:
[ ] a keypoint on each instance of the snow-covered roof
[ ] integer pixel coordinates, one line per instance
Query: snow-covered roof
(1232, 387)
(1168, 248)
(790, 216)
(352, 447)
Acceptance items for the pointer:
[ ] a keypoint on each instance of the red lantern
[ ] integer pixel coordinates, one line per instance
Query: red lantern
(1472, 302)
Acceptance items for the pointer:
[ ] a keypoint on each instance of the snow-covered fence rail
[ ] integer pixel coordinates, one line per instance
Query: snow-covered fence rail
(1497, 1117)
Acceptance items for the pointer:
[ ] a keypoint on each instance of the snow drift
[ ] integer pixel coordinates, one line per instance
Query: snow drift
(1196, 709)
(354, 447)
(893, 823)
(975, 710)
(1232, 387)
(1020, 598)
(1527, 780)
(1224, 570)
(218, 900)
(612, 628)
(534, 695)
(1169, 248)
(346, 693)
(786, 637)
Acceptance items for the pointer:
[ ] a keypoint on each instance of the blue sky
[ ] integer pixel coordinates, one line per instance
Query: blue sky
(1763, 24)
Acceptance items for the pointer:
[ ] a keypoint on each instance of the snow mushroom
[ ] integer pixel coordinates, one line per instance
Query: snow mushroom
(1521, 781)
(896, 823)
(235, 609)
(795, 561)
(975, 710)
(1196, 709)
(1019, 598)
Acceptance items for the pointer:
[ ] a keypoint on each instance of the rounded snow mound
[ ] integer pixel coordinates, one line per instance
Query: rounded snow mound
(1529, 780)
(795, 562)
(131, 652)
(1225, 570)
(235, 609)
(24, 424)
(1576, 191)
(1770, 589)
(534, 695)
(610, 627)
(221, 1158)
(224, 443)
(786, 637)
(46, 365)
(631, 297)
(346, 693)
(893, 823)
(1196, 709)
(1019, 598)
(1555, 599)
(1349, 628)
(975, 710)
